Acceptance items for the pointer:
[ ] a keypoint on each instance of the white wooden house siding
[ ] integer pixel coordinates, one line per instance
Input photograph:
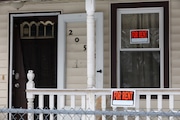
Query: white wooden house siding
(76, 56)
(79, 7)
(174, 42)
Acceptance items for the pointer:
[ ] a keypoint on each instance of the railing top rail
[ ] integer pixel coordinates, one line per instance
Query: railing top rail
(104, 91)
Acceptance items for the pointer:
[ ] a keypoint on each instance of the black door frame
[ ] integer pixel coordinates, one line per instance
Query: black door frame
(11, 19)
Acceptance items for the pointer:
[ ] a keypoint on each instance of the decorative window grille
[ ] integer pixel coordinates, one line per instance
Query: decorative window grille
(37, 30)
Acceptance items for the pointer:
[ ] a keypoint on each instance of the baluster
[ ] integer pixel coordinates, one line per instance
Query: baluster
(160, 105)
(30, 96)
(83, 105)
(72, 105)
(114, 116)
(137, 101)
(51, 106)
(171, 105)
(148, 105)
(73, 101)
(30, 76)
(103, 106)
(126, 116)
(41, 105)
(60, 105)
(91, 104)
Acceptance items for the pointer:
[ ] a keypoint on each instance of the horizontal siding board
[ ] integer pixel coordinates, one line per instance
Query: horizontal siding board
(76, 55)
(3, 20)
(77, 31)
(175, 55)
(106, 64)
(3, 86)
(75, 25)
(175, 38)
(3, 49)
(176, 80)
(4, 71)
(76, 48)
(175, 71)
(175, 13)
(3, 63)
(175, 21)
(106, 47)
(65, 7)
(76, 79)
(4, 79)
(3, 94)
(4, 56)
(76, 71)
(175, 85)
(76, 63)
(71, 39)
(175, 29)
(175, 4)
(106, 71)
(175, 45)
(3, 26)
(106, 54)
(3, 40)
(3, 33)
(3, 101)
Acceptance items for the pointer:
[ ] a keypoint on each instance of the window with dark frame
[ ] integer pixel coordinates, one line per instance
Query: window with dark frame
(114, 8)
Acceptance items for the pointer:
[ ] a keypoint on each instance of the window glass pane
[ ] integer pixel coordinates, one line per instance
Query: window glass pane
(140, 69)
(33, 30)
(41, 30)
(25, 31)
(49, 30)
(148, 21)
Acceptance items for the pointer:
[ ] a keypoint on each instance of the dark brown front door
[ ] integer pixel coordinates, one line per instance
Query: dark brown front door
(34, 48)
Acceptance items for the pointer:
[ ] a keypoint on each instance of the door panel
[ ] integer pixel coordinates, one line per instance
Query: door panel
(19, 76)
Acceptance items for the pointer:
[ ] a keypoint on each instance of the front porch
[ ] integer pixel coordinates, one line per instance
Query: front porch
(154, 99)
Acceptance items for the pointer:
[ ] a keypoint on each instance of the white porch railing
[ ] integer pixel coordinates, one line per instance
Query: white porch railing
(99, 99)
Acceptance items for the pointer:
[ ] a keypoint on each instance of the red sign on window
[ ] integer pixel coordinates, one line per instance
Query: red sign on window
(139, 36)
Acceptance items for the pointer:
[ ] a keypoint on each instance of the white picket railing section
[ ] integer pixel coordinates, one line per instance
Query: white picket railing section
(99, 99)
(89, 99)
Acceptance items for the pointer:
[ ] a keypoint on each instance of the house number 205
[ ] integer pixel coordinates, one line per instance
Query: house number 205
(77, 40)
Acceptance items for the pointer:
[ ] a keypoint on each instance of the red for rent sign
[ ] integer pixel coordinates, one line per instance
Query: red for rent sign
(123, 98)
(139, 36)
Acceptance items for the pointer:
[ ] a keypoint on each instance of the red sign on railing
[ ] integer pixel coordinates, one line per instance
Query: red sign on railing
(123, 98)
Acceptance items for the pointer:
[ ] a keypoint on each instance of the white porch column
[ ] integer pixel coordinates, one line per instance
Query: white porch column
(90, 8)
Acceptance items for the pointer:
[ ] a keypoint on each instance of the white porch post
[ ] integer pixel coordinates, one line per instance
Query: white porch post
(90, 8)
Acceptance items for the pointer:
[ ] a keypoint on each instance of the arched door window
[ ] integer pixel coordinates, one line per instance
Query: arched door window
(40, 29)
